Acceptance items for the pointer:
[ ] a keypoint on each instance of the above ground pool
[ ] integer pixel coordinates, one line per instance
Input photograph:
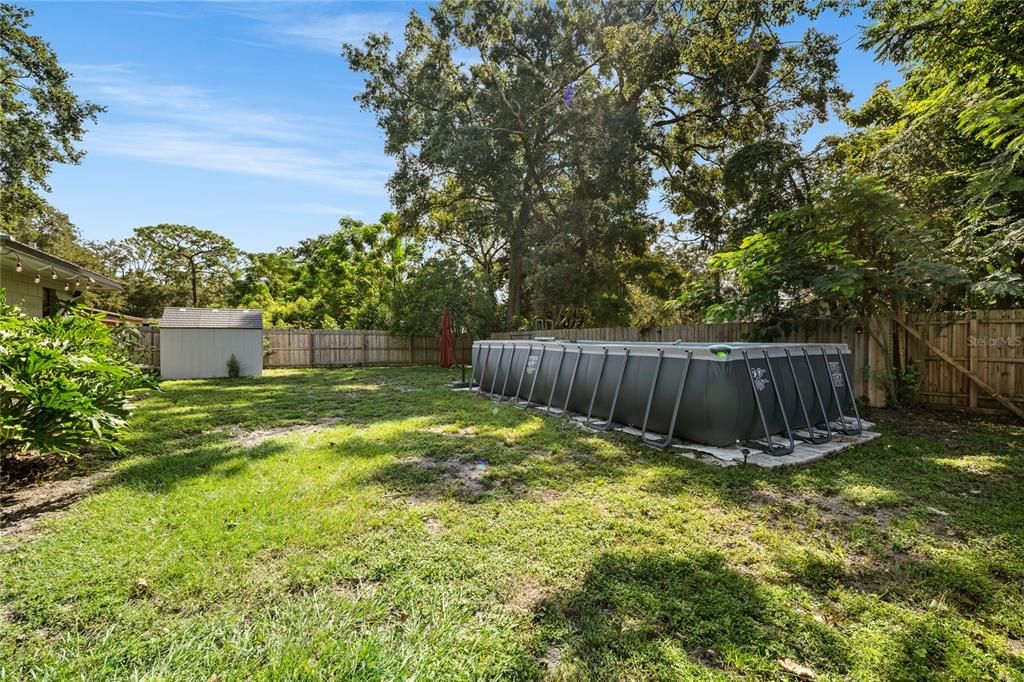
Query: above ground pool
(763, 395)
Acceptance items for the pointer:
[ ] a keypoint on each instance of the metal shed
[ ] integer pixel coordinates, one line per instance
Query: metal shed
(197, 343)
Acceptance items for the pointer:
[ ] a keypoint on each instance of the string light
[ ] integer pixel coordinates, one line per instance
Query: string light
(17, 268)
(36, 280)
(53, 274)
(67, 286)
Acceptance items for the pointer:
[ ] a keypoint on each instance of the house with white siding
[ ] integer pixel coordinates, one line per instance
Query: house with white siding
(37, 281)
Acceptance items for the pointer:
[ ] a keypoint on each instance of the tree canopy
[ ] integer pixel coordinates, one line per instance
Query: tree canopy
(41, 119)
(580, 163)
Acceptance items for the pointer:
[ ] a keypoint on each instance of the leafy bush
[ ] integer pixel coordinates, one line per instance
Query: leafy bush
(233, 369)
(64, 383)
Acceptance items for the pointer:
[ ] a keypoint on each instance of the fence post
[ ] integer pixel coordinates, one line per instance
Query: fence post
(363, 335)
(412, 348)
(972, 358)
(310, 337)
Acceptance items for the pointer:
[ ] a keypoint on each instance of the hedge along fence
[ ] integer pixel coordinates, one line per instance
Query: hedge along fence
(988, 344)
(333, 348)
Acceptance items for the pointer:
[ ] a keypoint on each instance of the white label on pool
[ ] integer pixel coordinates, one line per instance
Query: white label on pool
(837, 373)
(531, 364)
(759, 375)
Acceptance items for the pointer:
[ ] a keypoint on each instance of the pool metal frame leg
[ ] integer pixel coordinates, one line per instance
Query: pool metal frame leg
(554, 383)
(815, 437)
(817, 396)
(522, 374)
(664, 442)
(555, 412)
(842, 426)
(504, 385)
(483, 367)
(768, 445)
(606, 424)
(497, 370)
(536, 373)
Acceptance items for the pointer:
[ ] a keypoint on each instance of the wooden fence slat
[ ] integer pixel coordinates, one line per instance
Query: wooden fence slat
(332, 348)
(1005, 402)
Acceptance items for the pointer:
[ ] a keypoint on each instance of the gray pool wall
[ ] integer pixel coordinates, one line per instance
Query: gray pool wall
(717, 405)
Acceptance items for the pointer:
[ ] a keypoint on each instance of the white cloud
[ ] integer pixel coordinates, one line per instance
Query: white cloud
(324, 27)
(182, 125)
(178, 147)
(121, 90)
(327, 34)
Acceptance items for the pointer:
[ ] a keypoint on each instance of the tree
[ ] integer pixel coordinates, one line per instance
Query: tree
(441, 282)
(553, 134)
(950, 139)
(532, 135)
(465, 226)
(852, 251)
(41, 119)
(52, 231)
(192, 254)
(353, 274)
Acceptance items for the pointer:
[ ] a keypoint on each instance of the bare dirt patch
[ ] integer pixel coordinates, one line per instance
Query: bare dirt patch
(24, 508)
(354, 590)
(464, 432)
(552, 659)
(546, 496)
(250, 439)
(831, 509)
(434, 526)
(462, 477)
(528, 594)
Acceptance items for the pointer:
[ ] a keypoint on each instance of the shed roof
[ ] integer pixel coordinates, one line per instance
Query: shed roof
(211, 318)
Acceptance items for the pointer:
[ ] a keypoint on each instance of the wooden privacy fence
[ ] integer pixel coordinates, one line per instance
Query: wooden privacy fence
(986, 343)
(149, 346)
(343, 347)
(989, 344)
(982, 348)
(333, 348)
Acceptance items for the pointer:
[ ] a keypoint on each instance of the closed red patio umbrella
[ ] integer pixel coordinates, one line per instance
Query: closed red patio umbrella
(447, 346)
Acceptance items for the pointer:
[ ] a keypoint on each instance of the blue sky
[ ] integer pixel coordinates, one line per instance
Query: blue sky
(239, 118)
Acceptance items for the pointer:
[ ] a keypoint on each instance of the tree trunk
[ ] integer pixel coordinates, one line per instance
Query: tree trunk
(516, 245)
(195, 296)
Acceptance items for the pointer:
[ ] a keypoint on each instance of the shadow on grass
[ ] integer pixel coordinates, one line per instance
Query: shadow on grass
(431, 436)
(906, 465)
(658, 616)
(967, 473)
(159, 474)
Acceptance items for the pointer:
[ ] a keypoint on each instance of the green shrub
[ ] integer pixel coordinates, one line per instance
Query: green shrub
(64, 383)
(233, 368)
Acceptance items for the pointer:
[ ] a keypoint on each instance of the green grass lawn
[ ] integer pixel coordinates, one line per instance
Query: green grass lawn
(427, 534)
